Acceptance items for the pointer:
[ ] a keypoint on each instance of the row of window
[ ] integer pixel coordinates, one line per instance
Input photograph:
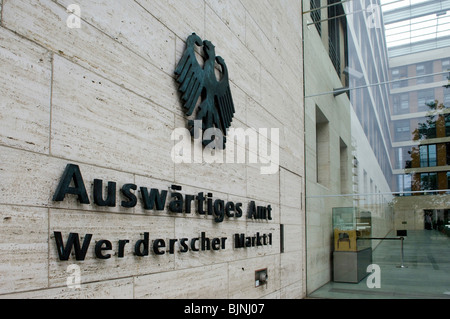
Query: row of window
(426, 99)
(425, 130)
(422, 70)
(428, 156)
(425, 181)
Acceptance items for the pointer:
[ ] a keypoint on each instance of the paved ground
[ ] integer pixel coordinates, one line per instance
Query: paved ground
(427, 258)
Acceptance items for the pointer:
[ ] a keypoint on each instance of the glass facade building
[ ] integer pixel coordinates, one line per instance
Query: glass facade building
(379, 142)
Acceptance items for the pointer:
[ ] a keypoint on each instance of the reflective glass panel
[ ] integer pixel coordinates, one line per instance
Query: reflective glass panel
(378, 71)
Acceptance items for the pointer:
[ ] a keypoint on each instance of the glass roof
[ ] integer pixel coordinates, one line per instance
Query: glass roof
(416, 25)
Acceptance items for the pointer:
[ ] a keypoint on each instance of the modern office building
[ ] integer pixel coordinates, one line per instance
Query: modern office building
(420, 121)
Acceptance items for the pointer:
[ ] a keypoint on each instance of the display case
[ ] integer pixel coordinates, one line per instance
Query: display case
(352, 229)
(351, 226)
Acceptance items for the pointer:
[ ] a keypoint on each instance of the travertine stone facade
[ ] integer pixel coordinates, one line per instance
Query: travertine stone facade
(104, 97)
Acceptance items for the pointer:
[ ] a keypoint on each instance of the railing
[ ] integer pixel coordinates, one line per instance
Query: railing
(389, 238)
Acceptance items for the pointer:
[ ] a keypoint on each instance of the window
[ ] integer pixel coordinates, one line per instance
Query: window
(428, 181)
(447, 125)
(447, 98)
(399, 158)
(447, 147)
(425, 100)
(402, 131)
(404, 157)
(401, 103)
(428, 129)
(448, 180)
(404, 184)
(337, 36)
(316, 15)
(395, 124)
(344, 167)
(428, 156)
(424, 69)
(445, 67)
(396, 75)
(322, 148)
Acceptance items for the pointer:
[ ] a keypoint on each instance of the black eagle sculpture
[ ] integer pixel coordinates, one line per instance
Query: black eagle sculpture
(216, 109)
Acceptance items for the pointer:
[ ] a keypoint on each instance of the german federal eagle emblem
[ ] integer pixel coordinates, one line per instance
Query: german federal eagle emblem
(216, 107)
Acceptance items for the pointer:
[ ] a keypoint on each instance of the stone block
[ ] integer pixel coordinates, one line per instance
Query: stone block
(45, 23)
(25, 89)
(112, 227)
(132, 26)
(113, 289)
(97, 122)
(23, 248)
(191, 283)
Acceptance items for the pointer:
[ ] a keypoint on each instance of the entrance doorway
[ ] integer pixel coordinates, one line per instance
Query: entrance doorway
(436, 219)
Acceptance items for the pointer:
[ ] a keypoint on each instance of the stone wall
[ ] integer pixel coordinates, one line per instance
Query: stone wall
(409, 211)
(104, 97)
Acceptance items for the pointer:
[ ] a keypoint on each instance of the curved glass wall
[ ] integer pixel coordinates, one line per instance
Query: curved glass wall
(377, 123)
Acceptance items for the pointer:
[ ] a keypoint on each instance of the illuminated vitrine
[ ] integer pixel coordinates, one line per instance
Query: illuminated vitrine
(352, 229)
(351, 226)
